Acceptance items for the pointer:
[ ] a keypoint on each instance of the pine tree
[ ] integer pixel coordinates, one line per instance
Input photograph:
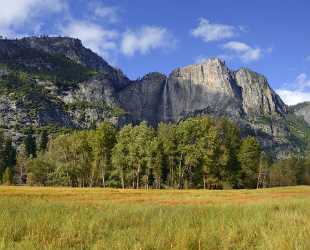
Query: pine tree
(155, 162)
(7, 178)
(43, 141)
(2, 155)
(9, 161)
(249, 158)
(30, 144)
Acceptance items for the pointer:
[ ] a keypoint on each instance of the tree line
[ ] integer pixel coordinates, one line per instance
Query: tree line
(196, 153)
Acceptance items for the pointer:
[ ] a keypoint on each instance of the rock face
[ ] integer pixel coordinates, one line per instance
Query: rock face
(201, 88)
(143, 99)
(57, 82)
(257, 96)
(207, 88)
(302, 110)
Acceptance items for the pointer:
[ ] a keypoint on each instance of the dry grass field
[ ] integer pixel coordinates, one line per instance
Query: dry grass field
(67, 218)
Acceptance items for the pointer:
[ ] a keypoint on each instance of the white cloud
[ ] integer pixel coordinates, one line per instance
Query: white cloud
(15, 13)
(308, 58)
(208, 31)
(303, 81)
(296, 92)
(243, 51)
(146, 39)
(93, 36)
(201, 58)
(108, 13)
(269, 50)
(292, 97)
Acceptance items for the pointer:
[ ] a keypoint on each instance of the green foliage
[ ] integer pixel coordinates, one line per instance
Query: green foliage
(133, 145)
(19, 84)
(51, 129)
(43, 141)
(30, 143)
(300, 131)
(59, 69)
(249, 158)
(7, 178)
(7, 159)
(103, 140)
(9, 154)
(120, 155)
(39, 171)
(196, 153)
(28, 67)
(83, 105)
(290, 172)
(166, 134)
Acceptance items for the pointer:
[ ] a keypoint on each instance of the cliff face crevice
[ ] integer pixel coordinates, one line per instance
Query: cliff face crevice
(143, 99)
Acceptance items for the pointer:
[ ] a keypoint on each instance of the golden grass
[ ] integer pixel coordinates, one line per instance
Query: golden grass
(83, 218)
(163, 197)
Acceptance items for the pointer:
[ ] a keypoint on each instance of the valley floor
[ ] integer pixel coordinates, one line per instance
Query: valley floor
(72, 218)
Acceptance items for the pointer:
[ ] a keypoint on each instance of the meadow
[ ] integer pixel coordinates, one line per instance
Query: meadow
(80, 218)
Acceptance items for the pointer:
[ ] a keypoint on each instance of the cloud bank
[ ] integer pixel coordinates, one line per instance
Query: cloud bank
(95, 37)
(146, 39)
(209, 32)
(243, 51)
(296, 92)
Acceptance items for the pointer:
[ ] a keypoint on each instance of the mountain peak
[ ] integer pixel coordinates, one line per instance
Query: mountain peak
(30, 48)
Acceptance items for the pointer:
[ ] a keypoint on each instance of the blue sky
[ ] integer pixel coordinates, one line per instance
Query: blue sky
(140, 36)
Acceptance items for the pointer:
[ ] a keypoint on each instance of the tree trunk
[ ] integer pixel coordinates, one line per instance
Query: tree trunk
(122, 179)
(103, 177)
(180, 171)
(171, 173)
(204, 182)
(138, 177)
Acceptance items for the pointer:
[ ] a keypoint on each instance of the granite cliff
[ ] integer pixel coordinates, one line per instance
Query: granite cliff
(57, 83)
(302, 110)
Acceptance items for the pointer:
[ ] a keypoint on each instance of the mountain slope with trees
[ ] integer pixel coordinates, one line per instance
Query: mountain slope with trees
(57, 85)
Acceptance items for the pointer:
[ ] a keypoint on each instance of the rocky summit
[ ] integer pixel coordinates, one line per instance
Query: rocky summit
(56, 83)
